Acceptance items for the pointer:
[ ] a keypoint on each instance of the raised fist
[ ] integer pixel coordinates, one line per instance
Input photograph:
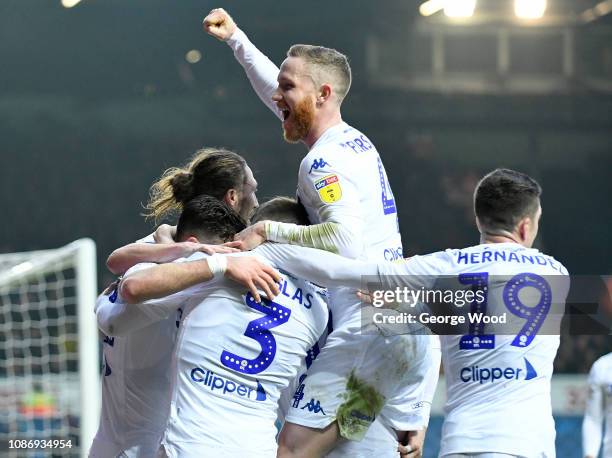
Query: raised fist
(219, 24)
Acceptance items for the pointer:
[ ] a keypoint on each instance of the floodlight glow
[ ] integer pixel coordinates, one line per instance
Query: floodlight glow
(193, 56)
(459, 8)
(431, 7)
(603, 8)
(529, 9)
(70, 3)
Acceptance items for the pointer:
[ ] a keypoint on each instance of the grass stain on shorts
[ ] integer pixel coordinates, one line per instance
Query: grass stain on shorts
(362, 403)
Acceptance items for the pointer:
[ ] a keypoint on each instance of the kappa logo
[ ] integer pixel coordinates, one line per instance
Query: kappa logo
(318, 164)
(329, 189)
(313, 406)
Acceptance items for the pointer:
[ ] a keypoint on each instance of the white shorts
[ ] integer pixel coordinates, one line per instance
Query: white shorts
(199, 450)
(104, 449)
(353, 378)
(409, 409)
(380, 442)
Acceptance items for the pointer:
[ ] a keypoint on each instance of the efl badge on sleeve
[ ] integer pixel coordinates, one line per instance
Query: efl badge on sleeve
(329, 189)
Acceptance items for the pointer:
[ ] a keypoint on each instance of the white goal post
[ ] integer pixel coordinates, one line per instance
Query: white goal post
(49, 350)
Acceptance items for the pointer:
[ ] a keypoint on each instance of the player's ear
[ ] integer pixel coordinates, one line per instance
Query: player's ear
(231, 197)
(524, 228)
(325, 92)
(192, 239)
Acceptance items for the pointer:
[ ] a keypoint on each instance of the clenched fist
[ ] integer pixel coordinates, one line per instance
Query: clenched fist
(219, 24)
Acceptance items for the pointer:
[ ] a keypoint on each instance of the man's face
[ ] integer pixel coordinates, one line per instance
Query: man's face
(247, 199)
(295, 97)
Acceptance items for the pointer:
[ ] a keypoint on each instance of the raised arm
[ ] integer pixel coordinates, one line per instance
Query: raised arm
(260, 70)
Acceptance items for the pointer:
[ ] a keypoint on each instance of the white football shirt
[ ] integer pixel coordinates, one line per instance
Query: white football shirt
(408, 407)
(234, 357)
(598, 409)
(498, 387)
(138, 344)
(341, 180)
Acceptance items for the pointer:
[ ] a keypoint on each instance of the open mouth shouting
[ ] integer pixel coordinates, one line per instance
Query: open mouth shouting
(297, 120)
(285, 112)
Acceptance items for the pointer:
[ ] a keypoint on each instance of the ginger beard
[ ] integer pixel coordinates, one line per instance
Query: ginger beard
(299, 122)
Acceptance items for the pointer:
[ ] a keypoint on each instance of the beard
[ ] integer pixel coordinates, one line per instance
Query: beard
(303, 117)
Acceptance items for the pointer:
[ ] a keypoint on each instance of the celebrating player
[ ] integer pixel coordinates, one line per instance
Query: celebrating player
(234, 355)
(139, 341)
(498, 386)
(129, 424)
(599, 406)
(491, 378)
(215, 172)
(343, 185)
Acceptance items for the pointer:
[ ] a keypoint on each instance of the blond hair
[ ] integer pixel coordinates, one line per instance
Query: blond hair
(327, 65)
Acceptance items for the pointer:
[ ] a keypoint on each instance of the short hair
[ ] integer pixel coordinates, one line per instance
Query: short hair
(209, 220)
(328, 65)
(283, 210)
(504, 197)
(211, 171)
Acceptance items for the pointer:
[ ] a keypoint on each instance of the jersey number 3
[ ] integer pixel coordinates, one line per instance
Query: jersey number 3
(259, 330)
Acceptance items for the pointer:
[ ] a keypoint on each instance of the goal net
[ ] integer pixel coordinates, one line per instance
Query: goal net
(49, 356)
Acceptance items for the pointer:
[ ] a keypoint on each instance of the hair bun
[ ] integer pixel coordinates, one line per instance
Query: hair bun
(182, 186)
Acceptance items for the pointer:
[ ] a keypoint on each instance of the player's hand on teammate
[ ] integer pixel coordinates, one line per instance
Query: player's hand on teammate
(110, 289)
(164, 233)
(219, 24)
(406, 451)
(364, 296)
(255, 275)
(252, 236)
(229, 247)
(414, 446)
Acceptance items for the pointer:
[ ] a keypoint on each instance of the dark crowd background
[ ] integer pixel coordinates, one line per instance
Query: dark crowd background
(98, 100)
